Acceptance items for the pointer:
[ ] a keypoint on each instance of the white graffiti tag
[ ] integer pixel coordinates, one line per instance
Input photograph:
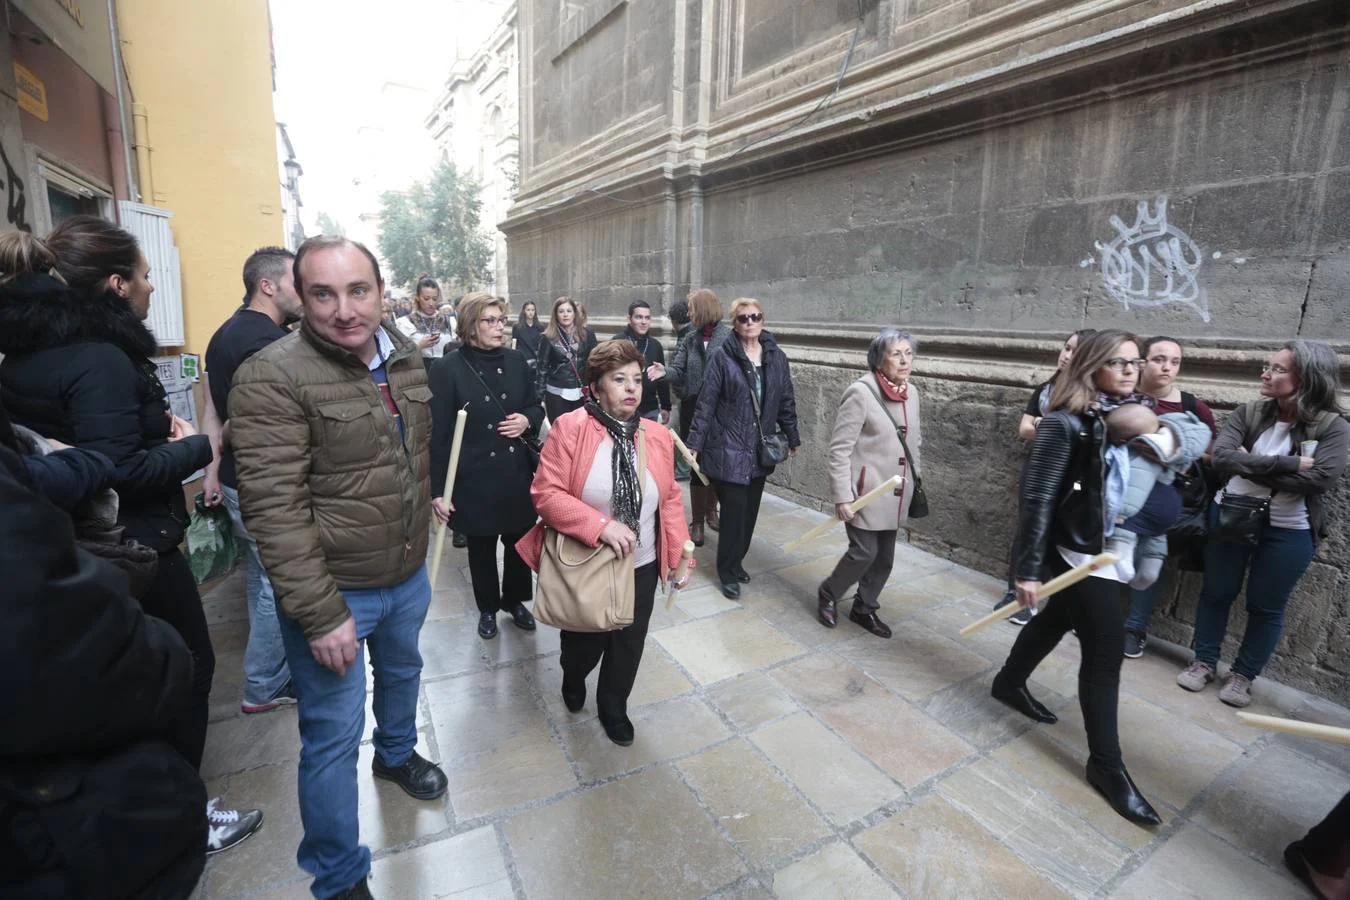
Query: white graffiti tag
(1152, 263)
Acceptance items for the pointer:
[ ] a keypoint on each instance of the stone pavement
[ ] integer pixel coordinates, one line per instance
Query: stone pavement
(776, 758)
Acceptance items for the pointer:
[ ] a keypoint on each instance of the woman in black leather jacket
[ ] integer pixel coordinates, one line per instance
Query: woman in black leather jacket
(562, 358)
(1061, 523)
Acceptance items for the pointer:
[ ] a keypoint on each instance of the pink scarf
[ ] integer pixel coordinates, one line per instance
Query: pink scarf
(896, 393)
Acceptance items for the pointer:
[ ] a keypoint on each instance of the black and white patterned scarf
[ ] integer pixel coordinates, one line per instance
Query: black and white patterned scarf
(626, 505)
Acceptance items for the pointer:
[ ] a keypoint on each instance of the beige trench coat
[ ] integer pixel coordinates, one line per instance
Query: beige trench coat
(864, 452)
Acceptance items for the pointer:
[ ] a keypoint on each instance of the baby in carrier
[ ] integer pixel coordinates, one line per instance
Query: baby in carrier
(1147, 452)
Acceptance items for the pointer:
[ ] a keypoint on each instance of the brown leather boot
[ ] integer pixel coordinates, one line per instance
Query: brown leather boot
(713, 519)
(698, 504)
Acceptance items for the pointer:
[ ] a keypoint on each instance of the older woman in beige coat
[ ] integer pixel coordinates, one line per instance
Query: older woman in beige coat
(865, 450)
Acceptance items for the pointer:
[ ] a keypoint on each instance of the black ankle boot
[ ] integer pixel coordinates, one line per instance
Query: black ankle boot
(1021, 700)
(1119, 790)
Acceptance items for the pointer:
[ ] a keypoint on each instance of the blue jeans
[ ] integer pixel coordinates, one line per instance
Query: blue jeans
(333, 716)
(265, 670)
(1141, 607)
(1277, 563)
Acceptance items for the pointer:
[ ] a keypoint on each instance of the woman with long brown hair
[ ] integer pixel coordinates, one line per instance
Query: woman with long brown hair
(77, 367)
(1062, 515)
(561, 369)
(705, 337)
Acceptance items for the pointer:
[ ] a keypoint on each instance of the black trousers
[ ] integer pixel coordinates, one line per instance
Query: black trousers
(556, 406)
(740, 510)
(1092, 607)
(1326, 846)
(173, 597)
(687, 409)
(515, 585)
(618, 653)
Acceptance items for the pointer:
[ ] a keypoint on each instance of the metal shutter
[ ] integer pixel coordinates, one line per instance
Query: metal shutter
(150, 225)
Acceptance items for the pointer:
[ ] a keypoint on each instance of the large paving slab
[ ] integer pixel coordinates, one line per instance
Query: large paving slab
(777, 758)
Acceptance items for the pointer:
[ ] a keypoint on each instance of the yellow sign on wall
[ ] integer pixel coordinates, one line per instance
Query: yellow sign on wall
(32, 92)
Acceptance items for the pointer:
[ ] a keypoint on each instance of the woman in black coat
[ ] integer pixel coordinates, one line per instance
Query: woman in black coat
(1061, 515)
(491, 496)
(561, 370)
(726, 436)
(77, 368)
(527, 334)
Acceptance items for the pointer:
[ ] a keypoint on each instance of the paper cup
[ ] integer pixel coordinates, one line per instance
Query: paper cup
(1307, 448)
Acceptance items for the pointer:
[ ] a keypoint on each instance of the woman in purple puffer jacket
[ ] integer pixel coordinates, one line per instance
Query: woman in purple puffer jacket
(726, 431)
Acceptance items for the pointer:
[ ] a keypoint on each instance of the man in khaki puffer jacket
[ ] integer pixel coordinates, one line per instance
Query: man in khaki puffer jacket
(331, 430)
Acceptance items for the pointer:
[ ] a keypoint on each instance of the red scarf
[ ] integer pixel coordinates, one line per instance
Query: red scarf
(896, 393)
(708, 332)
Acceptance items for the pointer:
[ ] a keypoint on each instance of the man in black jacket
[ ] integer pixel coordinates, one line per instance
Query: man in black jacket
(93, 803)
(655, 404)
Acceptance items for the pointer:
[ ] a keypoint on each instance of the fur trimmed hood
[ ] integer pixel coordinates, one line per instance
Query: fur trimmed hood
(37, 312)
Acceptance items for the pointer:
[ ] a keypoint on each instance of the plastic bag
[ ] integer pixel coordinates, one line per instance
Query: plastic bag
(211, 549)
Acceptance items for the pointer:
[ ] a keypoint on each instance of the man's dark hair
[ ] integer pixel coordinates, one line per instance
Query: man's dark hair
(271, 263)
(636, 305)
(679, 313)
(326, 242)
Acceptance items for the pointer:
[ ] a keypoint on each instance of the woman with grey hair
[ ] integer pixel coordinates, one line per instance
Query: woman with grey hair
(865, 451)
(1282, 452)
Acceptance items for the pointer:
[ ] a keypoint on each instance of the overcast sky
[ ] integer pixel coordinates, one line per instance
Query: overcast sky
(334, 56)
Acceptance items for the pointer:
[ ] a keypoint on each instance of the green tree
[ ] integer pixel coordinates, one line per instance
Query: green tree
(329, 225)
(433, 227)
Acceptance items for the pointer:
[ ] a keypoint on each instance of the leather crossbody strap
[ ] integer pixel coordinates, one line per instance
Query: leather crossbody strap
(899, 432)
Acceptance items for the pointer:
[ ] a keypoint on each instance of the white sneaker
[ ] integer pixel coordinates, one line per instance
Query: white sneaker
(227, 827)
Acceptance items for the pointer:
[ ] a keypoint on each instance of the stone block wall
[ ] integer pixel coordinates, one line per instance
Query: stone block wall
(992, 176)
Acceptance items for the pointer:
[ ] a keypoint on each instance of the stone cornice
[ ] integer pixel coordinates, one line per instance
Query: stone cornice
(1222, 372)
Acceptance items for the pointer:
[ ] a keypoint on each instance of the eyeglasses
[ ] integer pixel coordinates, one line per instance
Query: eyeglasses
(1274, 370)
(747, 318)
(492, 321)
(1120, 364)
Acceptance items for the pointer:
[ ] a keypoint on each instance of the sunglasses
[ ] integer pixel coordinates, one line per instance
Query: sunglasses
(747, 318)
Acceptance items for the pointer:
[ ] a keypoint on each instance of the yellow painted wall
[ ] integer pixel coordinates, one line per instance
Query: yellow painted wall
(203, 71)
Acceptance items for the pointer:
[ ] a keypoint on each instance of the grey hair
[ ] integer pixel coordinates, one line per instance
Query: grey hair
(876, 351)
(1319, 378)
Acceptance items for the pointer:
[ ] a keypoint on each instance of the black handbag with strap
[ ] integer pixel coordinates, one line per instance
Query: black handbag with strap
(918, 501)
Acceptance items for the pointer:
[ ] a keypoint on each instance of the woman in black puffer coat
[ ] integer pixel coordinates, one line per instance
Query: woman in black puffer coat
(77, 368)
(727, 439)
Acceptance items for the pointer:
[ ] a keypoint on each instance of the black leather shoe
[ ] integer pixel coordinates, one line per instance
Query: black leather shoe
(828, 612)
(487, 626)
(458, 540)
(358, 891)
(1021, 700)
(521, 616)
(870, 621)
(731, 590)
(1119, 790)
(743, 576)
(620, 732)
(420, 778)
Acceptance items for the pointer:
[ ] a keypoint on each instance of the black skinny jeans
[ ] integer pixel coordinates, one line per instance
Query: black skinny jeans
(1092, 607)
(617, 652)
(173, 597)
(556, 406)
(515, 585)
(1327, 844)
(740, 510)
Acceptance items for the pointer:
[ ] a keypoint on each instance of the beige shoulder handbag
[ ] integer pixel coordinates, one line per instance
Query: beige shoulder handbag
(583, 588)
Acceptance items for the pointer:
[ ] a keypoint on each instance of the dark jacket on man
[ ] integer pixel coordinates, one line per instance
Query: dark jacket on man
(655, 395)
(80, 371)
(492, 486)
(690, 362)
(92, 802)
(1232, 456)
(558, 367)
(724, 431)
(334, 493)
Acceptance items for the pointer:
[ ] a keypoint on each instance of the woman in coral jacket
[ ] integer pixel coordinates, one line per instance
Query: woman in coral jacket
(588, 488)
